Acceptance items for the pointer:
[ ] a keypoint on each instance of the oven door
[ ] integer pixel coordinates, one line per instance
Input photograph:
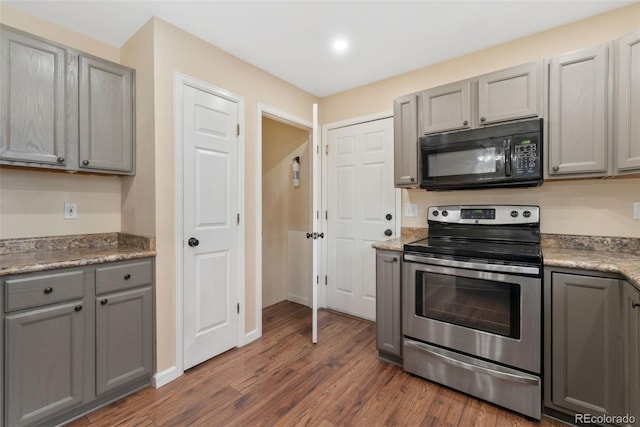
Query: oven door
(457, 305)
(465, 164)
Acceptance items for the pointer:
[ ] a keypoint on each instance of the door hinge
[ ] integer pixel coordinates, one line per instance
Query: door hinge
(317, 149)
(326, 149)
(238, 129)
(326, 215)
(238, 307)
(238, 219)
(318, 214)
(317, 280)
(325, 280)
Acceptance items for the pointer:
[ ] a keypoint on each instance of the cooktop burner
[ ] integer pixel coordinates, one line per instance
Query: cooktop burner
(519, 252)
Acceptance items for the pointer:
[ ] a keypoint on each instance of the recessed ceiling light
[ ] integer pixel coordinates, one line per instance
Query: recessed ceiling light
(340, 45)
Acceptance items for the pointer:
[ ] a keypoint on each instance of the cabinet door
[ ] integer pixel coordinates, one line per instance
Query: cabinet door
(578, 142)
(587, 345)
(405, 140)
(446, 108)
(632, 352)
(32, 109)
(123, 338)
(509, 94)
(388, 305)
(44, 362)
(106, 116)
(627, 103)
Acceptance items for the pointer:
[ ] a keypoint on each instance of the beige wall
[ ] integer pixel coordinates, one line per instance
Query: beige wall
(284, 207)
(588, 207)
(32, 201)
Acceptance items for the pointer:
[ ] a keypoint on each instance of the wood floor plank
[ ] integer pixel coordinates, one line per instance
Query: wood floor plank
(282, 379)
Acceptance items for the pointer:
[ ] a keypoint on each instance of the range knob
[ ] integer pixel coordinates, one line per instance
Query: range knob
(445, 213)
(526, 214)
(436, 213)
(514, 214)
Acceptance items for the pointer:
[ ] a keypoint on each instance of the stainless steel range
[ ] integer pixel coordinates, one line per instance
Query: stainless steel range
(472, 304)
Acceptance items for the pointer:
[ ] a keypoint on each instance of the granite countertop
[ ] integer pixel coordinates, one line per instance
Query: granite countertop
(618, 255)
(30, 255)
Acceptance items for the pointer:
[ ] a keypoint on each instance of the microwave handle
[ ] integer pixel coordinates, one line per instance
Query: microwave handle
(507, 157)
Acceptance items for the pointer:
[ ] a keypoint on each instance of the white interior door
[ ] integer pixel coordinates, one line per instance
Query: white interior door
(361, 208)
(211, 231)
(315, 215)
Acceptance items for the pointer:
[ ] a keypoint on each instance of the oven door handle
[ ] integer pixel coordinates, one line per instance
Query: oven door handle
(474, 368)
(517, 269)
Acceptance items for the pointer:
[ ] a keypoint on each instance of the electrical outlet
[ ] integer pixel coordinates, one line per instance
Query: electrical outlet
(636, 210)
(410, 210)
(71, 210)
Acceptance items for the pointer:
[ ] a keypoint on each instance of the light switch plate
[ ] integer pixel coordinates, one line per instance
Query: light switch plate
(410, 210)
(71, 210)
(636, 210)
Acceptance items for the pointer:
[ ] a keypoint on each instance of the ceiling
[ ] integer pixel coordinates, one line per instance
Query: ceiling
(292, 39)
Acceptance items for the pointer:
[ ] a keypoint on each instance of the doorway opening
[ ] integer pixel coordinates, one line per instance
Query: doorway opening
(285, 253)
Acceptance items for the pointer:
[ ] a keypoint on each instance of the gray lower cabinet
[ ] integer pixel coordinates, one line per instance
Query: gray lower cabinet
(74, 339)
(45, 351)
(389, 305)
(405, 141)
(123, 338)
(591, 343)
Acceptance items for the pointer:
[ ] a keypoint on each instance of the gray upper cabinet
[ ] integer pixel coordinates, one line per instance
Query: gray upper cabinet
(33, 106)
(510, 94)
(445, 108)
(62, 109)
(627, 103)
(45, 372)
(577, 123)
(405, 136)
(106, 116)
(389, 305)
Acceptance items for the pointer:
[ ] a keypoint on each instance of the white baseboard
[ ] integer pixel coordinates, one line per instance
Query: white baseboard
(299, 300)
(251, 336)
(165, 377)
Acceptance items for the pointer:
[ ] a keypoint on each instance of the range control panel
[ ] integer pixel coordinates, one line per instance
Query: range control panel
(485, 214)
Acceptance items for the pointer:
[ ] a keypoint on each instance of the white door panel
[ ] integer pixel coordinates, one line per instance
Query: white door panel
(210, 193)
(360, 194)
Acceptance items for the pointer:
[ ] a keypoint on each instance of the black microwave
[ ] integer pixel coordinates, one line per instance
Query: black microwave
(506, 155)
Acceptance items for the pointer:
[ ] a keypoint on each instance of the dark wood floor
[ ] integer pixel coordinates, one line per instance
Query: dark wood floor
(282, 379)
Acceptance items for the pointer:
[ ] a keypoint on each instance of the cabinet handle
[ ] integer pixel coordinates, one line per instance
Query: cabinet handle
(127, 276)
(555, 168)
(85, 163)
(104, 301)
(48, 290)
(60, 160)
(635, 304)
(466, 122)
(77, 308)
(483, 119)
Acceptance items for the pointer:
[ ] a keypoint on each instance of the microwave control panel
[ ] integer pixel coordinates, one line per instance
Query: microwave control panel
(526, 155)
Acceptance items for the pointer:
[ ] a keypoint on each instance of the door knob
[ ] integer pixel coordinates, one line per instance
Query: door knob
(193, 242)
(309, 235)
(389, 217)
(388, 232)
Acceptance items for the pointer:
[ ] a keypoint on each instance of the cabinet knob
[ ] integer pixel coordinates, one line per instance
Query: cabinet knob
(127, 276)
(555, 168)
(77, 308)
(60, 160)
(466, 122)
(48, 290)
(483, 119)
(413, 179)
(85, 163)
(104, 301)
(635, 304)
(395, 259)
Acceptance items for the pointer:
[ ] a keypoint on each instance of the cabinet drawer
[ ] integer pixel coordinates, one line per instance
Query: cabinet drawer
(124, 276)
(43, 289)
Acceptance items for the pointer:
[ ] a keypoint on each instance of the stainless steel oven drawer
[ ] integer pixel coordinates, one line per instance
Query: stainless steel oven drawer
(515, 390)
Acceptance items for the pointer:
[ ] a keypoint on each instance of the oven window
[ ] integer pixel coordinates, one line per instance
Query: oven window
(477, 304)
